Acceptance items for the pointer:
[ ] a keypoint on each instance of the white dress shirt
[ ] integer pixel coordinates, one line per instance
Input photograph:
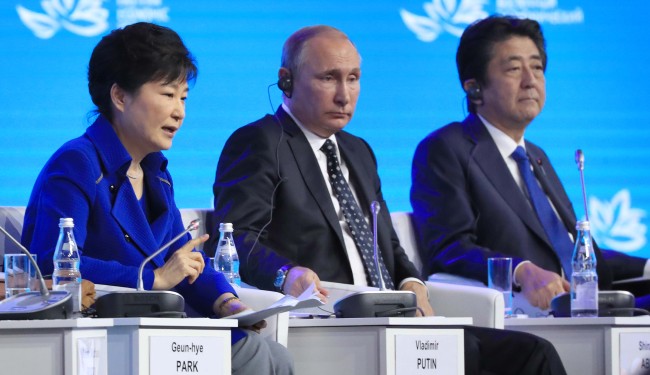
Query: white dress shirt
(316, 142)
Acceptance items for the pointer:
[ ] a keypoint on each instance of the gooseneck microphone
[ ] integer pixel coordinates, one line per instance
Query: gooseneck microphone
(610, 302)
(44, 304)
(145, 303)
(580, 161)
(376, 303)
(375, 207)
(194, 225)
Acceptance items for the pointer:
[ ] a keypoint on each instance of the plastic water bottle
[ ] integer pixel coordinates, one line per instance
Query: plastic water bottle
(226, 258)
(66, 275)
(584, 279)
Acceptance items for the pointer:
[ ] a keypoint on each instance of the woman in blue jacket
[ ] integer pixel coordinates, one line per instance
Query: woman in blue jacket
(113, 181)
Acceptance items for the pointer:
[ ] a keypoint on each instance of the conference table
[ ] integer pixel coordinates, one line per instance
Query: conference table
(604, 345)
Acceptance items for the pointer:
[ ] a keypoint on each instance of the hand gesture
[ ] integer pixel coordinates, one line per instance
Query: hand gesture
(185, 262)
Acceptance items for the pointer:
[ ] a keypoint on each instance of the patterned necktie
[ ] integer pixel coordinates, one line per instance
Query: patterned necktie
(354, 218)
(555, 230)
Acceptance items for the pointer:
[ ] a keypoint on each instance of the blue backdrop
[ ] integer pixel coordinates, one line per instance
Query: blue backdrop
(597, 52)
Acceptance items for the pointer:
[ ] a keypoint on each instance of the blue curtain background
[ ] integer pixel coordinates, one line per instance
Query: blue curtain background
(596, 87)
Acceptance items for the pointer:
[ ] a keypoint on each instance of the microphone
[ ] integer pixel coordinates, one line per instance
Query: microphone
(375, 207)
(145, 303)
(580, 161)
(610, 302)
(36, 305)
(381, 303)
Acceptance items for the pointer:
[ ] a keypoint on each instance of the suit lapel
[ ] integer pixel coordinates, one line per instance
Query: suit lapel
(486, 154)
(310, 171)
(127, 212)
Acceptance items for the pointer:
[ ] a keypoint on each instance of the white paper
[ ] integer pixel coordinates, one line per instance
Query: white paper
(287, 303)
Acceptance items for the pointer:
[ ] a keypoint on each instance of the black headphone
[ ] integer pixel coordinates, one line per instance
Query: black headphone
(285, 83)
(474, 92)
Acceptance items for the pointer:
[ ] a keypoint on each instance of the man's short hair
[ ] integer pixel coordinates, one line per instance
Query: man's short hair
(292, 51)
(475, 49)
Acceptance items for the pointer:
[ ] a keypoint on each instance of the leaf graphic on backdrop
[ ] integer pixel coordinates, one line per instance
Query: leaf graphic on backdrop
(448, 15)
(616, 224)
(88, 18)
(83, 17)
(42, 25)
(425, 28)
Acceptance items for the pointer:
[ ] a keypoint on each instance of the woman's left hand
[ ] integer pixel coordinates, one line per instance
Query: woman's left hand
(233, 306)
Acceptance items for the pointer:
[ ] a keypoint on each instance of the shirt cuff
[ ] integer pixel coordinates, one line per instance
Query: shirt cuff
(514, 272)
(415, 279)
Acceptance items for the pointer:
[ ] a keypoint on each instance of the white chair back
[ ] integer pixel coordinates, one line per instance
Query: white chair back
(462, 297)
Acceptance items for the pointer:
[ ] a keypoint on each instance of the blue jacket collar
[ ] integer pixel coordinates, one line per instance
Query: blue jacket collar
(112, 153)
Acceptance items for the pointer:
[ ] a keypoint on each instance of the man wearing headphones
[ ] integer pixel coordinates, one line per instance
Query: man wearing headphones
(470, 195)
(298, 189)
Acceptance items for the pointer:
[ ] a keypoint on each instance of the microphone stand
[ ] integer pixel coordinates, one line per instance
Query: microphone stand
(376, 303)
(145, 303)
(194, 225)
(374, 207)
(44, 304)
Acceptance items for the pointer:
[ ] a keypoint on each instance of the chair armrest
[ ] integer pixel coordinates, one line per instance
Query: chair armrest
(485, 306)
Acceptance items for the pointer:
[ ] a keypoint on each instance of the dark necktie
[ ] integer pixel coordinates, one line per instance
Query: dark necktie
(354, 218)
(555, 230)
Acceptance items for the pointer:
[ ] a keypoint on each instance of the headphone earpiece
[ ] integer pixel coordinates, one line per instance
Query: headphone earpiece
(285, 83)
(474, 92)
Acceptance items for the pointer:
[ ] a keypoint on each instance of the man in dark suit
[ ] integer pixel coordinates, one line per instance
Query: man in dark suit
(272, 184)
(298, 189)
(470, 201)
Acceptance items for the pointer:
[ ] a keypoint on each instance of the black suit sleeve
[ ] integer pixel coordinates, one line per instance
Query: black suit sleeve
(444, 217)
(246, 178)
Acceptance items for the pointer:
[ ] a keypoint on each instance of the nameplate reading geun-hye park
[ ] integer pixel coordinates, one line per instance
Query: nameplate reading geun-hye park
(186, 355)
(427, 354)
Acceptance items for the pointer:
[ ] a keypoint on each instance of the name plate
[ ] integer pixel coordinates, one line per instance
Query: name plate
(186, 355)
(426, 354)
(634, 355)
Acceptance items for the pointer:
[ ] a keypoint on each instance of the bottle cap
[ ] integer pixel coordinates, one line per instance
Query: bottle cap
(582, 225)
(225, 227)
(66, 222)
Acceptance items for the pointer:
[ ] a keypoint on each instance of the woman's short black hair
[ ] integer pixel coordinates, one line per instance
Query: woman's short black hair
(134, 55)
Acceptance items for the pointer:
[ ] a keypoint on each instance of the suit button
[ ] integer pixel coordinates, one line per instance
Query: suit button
(112, 188)
(127, 238)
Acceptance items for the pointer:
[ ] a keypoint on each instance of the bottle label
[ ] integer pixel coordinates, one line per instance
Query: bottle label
(586, 296)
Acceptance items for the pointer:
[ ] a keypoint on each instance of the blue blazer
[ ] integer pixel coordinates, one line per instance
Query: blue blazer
(467, 207)
(86, 180)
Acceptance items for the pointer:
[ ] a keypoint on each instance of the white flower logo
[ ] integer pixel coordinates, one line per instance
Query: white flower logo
(82, 17)
(616, 224)
(444, 15)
